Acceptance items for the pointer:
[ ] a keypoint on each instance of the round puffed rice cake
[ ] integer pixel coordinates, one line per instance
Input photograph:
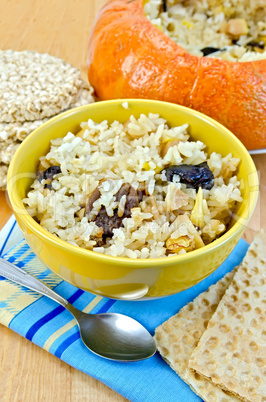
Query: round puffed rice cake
(18, 131)
(3, 174)
(12, 134)
(34, 86)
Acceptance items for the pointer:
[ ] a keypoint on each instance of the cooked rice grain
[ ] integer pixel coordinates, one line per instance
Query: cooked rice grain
(104, 159)
(236, 28)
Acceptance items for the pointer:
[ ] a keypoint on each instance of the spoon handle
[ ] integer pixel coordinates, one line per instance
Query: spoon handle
(18, 275)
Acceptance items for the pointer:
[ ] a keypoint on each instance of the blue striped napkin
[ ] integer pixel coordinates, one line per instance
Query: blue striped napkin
(51, 327)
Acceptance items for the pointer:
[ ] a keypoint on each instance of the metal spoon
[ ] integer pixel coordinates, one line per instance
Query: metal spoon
(110, 335)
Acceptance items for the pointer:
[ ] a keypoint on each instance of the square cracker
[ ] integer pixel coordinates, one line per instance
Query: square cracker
(177, 338)
(232, 351)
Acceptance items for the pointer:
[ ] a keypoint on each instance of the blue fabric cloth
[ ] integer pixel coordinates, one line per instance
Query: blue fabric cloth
(50, 326)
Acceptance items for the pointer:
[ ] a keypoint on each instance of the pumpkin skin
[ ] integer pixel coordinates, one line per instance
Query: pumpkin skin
(128, 57)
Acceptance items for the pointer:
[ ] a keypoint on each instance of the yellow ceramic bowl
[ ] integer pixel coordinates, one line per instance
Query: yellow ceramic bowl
(125, 278)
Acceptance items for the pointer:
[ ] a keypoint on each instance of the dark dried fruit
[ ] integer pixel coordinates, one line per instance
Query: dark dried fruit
(49, 173)
(141, 194)
(99, 241)
(108, 223)
(253, 44)
(131, 195)
(164, 6)
(124, 190)
(193, 176)
(91, 198)
(209, 50)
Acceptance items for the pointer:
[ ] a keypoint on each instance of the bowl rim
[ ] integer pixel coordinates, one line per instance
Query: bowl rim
(17, 204)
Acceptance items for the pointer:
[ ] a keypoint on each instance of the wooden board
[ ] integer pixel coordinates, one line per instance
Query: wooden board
(61, 28)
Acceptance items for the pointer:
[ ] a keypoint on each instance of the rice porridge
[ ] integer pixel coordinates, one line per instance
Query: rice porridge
(234, 30)
(141, 189)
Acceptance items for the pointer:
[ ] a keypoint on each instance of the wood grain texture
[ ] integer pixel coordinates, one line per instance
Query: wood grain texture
(61, 28)
(5, 208)
(30, 374)
(58, 27)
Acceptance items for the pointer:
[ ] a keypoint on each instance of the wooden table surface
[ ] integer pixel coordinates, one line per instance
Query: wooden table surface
(61, 28)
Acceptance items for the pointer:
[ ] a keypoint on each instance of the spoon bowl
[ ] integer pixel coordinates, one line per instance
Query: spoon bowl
(110, 335)
(114, 336)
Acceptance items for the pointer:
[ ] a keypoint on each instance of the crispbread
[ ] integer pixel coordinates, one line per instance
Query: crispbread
(7, 150)
(3, 173)
(34, 86)
(18, 131)
(232, 351)
(12, 134)
(85, 96)
(177, 338)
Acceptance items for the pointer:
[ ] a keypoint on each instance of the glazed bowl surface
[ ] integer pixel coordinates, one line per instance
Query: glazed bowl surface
(126, 278)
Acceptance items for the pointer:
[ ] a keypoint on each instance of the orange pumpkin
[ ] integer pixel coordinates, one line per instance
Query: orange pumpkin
(128, 57)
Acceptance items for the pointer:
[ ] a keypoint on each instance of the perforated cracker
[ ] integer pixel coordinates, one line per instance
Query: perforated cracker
(34, 86)
(177, 338)
(232, 351)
